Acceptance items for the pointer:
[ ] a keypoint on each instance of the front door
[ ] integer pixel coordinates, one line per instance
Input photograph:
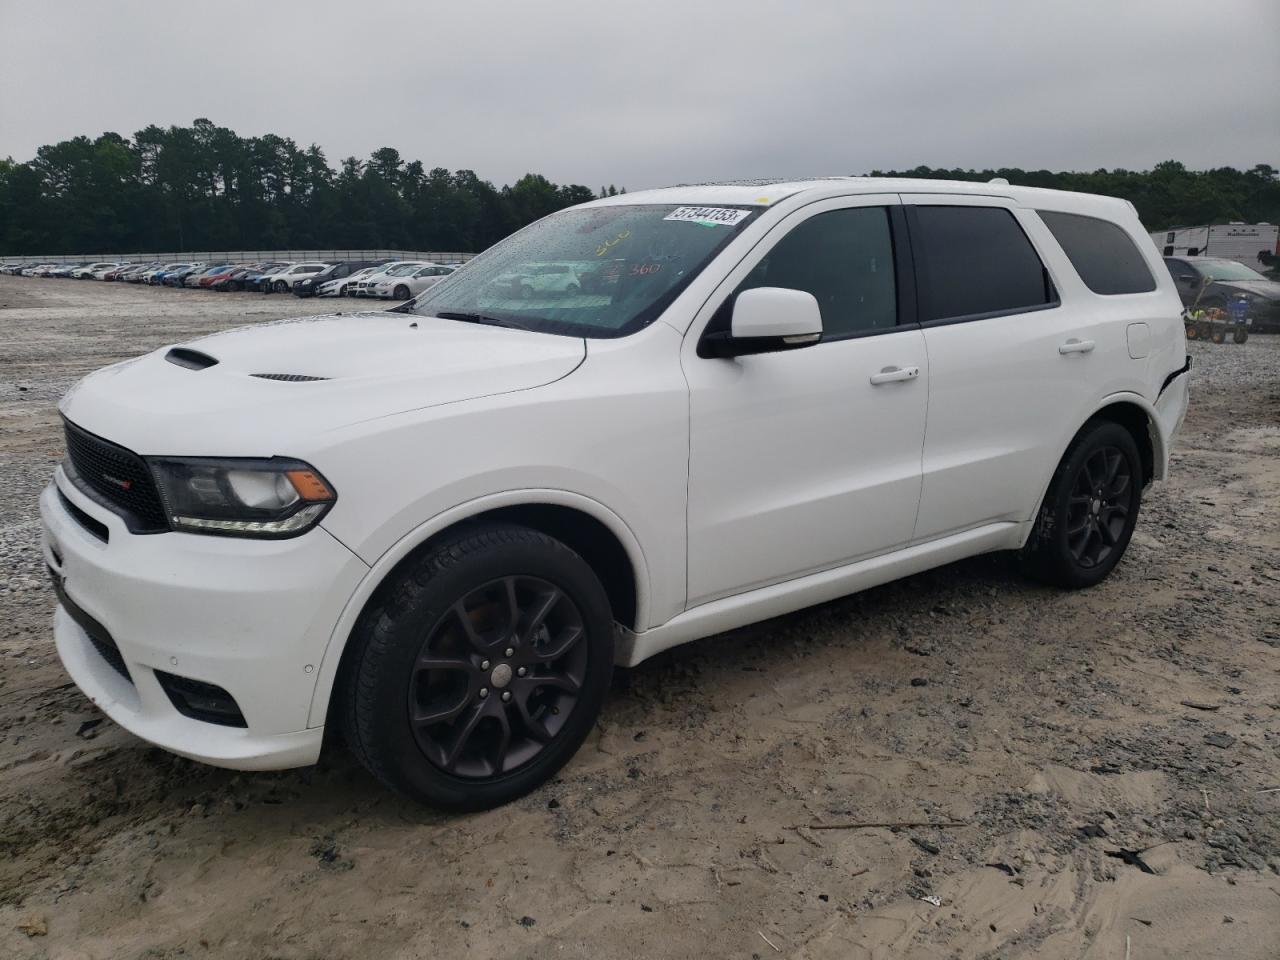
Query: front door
(806, 459)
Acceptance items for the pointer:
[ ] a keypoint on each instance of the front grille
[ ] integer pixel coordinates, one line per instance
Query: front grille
(117, 478)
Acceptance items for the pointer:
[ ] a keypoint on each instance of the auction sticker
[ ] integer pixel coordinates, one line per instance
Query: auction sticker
(709, 216)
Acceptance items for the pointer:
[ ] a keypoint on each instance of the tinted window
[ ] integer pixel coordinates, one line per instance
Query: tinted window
(976, 260)
(845, 259)
(1101, 252)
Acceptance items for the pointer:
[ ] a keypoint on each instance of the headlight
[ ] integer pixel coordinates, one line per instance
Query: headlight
(242, 498)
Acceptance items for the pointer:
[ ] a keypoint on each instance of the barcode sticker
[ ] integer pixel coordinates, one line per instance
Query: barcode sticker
(709, 216)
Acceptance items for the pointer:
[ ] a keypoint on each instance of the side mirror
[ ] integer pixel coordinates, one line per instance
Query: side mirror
(766, 320)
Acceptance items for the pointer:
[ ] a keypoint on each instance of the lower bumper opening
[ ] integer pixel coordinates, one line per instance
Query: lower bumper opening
(201, 701)
(98, 636)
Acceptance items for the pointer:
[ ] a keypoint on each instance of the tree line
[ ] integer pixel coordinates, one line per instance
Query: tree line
(204, 187)
(1168, 195)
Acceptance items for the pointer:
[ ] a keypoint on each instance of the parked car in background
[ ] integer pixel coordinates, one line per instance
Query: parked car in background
(253, 279)
(108, 273)
(282, 281)
(1208, 282)
(139, 273)
(534, 279)
(340, 286)
(193, 279)
(89, 269)
(397, 285)
(153, 276)
(178, 277)
(464, 512)
(366, 286)
(225, 273)
(160, 276)
(64, 270)
(343, 269)
(232, 280)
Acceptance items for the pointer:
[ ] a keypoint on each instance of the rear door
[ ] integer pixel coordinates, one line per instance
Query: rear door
(1010, 364)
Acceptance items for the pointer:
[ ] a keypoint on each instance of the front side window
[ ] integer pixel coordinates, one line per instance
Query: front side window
(1102, 253)
(845, 259)
(588, 271)
(976, 261)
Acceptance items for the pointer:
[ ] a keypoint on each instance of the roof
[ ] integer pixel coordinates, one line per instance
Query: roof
(768, 192)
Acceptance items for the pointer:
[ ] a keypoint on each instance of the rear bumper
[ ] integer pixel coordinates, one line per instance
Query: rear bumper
(1171, 410)
(251, 617)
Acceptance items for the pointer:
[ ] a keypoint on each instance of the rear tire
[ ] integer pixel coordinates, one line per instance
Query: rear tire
(1089, 513)
(1219, 335)
(433, 644)
(1240, 335)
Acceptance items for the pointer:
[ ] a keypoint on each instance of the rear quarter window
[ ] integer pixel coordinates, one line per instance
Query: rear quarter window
(1102, 253)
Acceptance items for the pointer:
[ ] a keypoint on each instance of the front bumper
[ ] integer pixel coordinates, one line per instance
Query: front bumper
(250, 616)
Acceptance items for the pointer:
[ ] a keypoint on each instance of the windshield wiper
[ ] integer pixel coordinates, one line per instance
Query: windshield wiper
(483, 318)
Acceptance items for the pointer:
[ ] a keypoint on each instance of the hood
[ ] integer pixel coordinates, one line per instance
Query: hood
(372, 365)
(1268, 289)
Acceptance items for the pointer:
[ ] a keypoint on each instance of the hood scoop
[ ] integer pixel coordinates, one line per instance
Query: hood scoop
(287, 377)
(191, 359)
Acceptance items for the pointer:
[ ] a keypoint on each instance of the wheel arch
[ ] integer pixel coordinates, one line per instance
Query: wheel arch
(585, 525)
(1133, 412)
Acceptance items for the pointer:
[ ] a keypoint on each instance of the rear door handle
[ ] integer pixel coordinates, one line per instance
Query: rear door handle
(1076, 346)
(894, 375)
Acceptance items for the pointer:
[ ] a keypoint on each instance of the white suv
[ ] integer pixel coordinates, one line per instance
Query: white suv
(440, 527)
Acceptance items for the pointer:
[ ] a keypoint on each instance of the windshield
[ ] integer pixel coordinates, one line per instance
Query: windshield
(1226, 270)
(589, 272)
(403, 270)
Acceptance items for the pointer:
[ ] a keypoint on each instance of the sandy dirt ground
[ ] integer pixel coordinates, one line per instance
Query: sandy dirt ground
(1105, 765)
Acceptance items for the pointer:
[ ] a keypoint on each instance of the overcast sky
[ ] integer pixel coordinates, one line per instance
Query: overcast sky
(653, 92)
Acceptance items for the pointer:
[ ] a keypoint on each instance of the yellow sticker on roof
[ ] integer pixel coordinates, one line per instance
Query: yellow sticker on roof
(709, 216)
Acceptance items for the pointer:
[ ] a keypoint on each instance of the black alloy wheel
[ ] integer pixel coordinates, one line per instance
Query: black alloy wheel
(1098, 508)
(498, 677)
(1090, 510)
(478, 668)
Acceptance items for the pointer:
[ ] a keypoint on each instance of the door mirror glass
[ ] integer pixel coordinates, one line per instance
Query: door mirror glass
(765, 320)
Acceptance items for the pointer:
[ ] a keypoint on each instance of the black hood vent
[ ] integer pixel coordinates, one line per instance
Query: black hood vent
(287, 377)
(191, 359)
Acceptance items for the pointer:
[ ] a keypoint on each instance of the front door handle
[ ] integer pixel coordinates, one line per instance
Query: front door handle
(894, 375)
(1076, 346)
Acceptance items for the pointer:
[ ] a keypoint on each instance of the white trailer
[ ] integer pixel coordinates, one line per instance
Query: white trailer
(1242, 242)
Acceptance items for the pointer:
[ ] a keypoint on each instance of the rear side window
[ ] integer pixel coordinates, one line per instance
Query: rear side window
(1102, 253)
(845, 259)
(976, 261)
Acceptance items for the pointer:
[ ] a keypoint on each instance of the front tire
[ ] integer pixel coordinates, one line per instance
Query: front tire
(478, 669)
(1090, 511)
(281, 287)
(400, 293)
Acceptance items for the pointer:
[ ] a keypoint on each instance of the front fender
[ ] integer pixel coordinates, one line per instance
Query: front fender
(383, 565)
